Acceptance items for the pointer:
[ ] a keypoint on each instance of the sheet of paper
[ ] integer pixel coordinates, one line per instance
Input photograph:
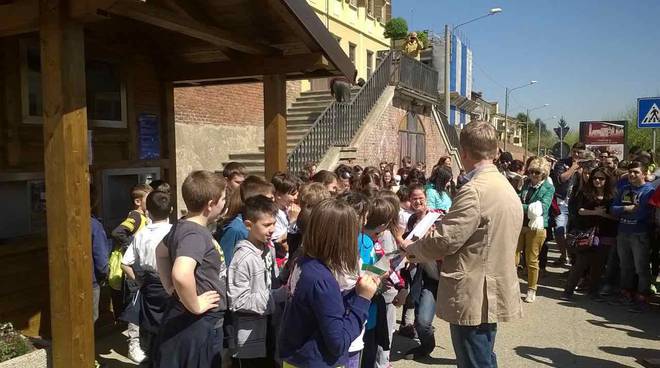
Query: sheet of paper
(423, 226)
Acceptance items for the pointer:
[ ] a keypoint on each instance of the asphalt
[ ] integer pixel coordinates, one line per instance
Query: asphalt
(553, 333)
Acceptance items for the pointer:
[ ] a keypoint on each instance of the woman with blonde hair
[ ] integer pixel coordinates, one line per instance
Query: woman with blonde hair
(536, 197)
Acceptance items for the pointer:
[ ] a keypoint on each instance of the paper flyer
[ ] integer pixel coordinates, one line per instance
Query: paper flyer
(423, 226)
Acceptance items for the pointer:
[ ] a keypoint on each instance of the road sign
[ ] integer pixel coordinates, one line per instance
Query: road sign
(561, 134)
(648, 112)
(561, 150)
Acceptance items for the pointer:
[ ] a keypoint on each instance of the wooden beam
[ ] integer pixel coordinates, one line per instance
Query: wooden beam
(170, 135)
(246, 67)
(19, 17)
(163, 18)
(275, 124)
(67, 185)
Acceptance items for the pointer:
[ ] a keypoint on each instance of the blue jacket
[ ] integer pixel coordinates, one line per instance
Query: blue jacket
(318, 327)
(437, 200)
(639, 221)
(232, 232)
(543, 194)
(100, 252)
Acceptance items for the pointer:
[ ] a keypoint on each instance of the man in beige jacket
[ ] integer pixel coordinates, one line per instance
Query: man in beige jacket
(477, 241)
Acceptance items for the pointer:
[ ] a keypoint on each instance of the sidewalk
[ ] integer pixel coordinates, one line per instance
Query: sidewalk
(552, 333)
(556, 333)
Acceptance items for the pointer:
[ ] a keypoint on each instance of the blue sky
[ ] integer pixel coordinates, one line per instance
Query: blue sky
(592, 58)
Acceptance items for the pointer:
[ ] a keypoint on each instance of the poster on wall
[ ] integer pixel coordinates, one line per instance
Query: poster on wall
(148, 137)
(604, 136)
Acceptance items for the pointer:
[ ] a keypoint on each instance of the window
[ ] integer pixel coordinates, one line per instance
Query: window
(370, 63)
(31, 82)
(412, 138)
(370, 8)
(106, 95)
(352, 3)
(351, 52)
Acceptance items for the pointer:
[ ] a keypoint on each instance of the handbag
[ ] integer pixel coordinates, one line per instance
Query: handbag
(115, 275)
(580, 240)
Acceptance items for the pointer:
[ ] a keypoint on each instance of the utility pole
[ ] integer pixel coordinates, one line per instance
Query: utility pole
(506, 118)
(526, 134)
(447, 66)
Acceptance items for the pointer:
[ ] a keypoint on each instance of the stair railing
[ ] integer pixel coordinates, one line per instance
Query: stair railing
(339, 122)
(448, 130)
(417, 76)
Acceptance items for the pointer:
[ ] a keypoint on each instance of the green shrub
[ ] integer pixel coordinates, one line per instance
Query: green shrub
(423, 37)
(396, 28)
(12, 343)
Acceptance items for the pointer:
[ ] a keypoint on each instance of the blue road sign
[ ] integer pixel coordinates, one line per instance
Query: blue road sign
(648, 112)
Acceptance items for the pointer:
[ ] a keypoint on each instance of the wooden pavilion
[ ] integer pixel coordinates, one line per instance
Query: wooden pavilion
(86, 87)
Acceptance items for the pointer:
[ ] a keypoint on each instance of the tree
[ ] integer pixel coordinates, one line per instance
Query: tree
(396, 28)
(642, 137)
(522, 117)
(423, 37)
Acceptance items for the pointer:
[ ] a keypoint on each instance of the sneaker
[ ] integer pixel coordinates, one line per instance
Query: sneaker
(415, 354)
(654, 289)
(531, 296)
(407, 331)
(136, 354)
(567, 296)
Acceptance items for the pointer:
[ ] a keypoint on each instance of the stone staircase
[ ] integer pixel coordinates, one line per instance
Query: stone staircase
(300, 116)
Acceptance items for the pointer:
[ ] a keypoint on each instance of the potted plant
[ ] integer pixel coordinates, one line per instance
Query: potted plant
(17, 350)
(396, 29)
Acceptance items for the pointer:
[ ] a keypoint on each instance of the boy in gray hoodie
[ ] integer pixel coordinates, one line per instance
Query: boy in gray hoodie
(249, 292)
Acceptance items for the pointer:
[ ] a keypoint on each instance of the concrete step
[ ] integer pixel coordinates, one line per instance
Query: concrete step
(300, 119)
(317, 104)
(304, 110)
(246, 156)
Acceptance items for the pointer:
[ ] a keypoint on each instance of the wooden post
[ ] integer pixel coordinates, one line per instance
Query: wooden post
(67, 185)
(275, 141)
(168, 116)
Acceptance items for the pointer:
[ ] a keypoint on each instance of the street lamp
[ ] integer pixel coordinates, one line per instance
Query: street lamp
(506, 109)
(527, 126)
(448, 32)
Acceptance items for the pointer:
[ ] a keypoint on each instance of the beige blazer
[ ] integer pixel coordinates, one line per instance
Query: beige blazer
(477, 239)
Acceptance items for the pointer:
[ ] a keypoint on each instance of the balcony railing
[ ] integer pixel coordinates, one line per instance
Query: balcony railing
(416, 76)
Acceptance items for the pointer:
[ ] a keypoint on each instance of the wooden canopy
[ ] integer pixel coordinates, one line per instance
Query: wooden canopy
(191, 42)
(207, 41)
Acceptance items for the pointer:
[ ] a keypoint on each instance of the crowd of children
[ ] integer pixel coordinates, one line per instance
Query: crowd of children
(306, 270)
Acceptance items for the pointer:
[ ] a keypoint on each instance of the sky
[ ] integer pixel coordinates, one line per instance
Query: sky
(592, 58)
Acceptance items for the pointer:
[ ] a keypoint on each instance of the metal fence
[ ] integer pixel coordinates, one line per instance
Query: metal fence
(417, 76)
(339, 122)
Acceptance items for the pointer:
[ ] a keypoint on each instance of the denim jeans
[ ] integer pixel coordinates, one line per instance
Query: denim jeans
(424, 314)
(474, 345)
(634, 254)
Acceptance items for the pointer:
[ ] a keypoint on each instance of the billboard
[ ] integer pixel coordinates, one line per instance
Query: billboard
(604, 136)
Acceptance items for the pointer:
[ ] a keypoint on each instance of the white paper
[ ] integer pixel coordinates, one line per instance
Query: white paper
(423, 226)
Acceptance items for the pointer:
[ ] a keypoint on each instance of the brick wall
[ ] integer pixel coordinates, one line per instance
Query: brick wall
(380, 140)
(233, 104)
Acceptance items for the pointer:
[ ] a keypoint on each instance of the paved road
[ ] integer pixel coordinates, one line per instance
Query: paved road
(552, 333)
(555, 333)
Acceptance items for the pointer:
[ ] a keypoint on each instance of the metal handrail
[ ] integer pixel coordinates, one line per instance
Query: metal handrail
(449, 130)
(339, 122)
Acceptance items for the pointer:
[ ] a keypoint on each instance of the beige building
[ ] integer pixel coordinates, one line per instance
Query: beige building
(358, 26)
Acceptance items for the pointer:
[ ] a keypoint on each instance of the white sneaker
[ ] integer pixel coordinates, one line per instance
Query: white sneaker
(531, 296)
(135, 353)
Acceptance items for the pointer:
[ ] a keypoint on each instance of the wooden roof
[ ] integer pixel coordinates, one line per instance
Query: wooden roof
(207, 41)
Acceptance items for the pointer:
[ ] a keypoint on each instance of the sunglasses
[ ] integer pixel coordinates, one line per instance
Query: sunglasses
(535, 172)
(602, 178)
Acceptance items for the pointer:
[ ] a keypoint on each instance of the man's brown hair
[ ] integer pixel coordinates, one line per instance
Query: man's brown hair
(252, 186)
(200, 187)
(312, 193)
(331, 236)
(479, 139)
(140, 190)
(232, 169)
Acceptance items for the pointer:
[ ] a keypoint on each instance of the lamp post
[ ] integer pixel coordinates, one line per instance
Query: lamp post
(448, 33)
(527, 127)
(538, 136)
(506, 109)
